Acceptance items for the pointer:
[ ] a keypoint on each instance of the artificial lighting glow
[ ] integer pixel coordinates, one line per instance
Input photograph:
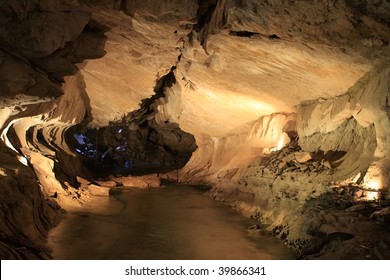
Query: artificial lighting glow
(371, 195)
(280, 145)
(373, 187)
(4, 137)
(23, 160)
(283, 141)
(8, 143)
(236, 101)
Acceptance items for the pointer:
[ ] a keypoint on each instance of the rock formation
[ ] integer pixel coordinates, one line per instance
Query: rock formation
(281, 106)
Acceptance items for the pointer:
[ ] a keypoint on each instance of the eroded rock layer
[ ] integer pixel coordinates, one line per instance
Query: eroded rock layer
(281, 106)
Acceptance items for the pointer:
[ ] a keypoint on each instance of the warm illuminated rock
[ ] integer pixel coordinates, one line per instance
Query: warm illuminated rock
(98, 190)
(269, 102)
(139, 181)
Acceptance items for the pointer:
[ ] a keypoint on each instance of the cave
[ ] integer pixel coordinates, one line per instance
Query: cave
(193, 111)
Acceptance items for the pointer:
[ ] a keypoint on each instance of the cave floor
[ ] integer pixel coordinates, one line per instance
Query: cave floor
(172, 222)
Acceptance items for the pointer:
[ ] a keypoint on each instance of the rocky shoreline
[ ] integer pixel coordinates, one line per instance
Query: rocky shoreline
(342, 221)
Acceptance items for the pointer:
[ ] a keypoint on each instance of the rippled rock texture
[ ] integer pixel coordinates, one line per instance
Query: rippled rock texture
(205, 91)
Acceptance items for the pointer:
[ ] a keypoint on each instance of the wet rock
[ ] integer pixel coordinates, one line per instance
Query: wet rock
(387, 240)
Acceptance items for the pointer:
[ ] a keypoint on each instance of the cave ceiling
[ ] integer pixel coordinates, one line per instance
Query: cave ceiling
(200, 70)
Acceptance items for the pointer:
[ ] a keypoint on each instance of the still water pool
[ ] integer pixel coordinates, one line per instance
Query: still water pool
(173, 222)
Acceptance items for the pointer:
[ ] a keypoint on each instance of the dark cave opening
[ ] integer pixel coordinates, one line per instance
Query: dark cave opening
(126, 149)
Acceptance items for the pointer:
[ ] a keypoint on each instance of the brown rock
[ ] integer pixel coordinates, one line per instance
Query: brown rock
(304, 168)
(109, 184)
(288, 158)
(317, 165)
(302, 157)
(139, 181)
(282, 165)
(326, 164)
(355, 208)
(98, 191)
(358, 193)
(82, 181)
(381, 213)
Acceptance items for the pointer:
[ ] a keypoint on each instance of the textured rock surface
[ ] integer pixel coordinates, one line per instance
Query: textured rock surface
(39, 44)
(140, 181)
(26, 215)
(235, 81)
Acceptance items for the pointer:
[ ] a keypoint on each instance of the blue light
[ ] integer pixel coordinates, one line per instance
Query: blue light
(80, 138)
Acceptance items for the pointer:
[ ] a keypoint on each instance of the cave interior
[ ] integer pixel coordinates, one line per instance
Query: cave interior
(278, 108)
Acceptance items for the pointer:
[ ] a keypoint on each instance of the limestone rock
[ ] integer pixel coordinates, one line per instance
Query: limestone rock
(302, 157)
(98, 190)
(139, 182)
(109, 184)
(239, 81)
(82, 181)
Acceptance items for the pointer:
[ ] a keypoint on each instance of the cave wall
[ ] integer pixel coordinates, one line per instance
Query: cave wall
(356, 122)
(40, 44)
(252, 79)
(278, 189)
(223, 160)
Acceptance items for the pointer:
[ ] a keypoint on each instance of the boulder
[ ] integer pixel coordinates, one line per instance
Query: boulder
(302, 157)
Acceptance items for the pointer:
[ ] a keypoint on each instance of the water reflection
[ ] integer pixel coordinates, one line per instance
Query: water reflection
(164, 223)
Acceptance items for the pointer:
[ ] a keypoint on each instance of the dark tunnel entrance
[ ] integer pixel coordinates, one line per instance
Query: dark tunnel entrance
(128, 149)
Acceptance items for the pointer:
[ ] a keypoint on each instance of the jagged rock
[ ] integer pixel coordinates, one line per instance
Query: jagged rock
(82, 180)
(227, 114)
(326, 164)
(302, 157)
(304, 168)
(288, 158)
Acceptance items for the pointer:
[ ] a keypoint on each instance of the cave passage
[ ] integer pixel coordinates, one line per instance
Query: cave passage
(165, 223)
(121, 149)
